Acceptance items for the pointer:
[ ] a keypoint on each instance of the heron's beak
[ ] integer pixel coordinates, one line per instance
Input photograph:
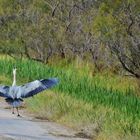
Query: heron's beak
(15, 68)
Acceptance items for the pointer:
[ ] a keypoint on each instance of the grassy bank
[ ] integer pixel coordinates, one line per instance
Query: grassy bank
(105, 102)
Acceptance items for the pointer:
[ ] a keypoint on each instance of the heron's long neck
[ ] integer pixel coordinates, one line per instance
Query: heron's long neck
(14, 79)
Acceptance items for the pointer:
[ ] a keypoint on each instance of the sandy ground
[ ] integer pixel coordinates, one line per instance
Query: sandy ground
(28, 128)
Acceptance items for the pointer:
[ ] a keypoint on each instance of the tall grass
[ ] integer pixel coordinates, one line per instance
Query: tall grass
(96, 91)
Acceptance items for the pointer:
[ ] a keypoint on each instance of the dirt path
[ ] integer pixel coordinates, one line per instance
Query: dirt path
(27, 128)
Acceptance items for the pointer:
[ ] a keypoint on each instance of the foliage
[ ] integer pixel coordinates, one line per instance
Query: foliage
(91, 30)
(118, 27)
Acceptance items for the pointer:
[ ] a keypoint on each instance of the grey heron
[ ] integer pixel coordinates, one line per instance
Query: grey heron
(14, 94)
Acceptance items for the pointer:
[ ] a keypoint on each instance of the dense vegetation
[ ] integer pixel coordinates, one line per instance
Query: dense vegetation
(94, 30)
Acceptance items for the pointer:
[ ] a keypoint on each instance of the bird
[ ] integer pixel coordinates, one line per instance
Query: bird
(14, 95)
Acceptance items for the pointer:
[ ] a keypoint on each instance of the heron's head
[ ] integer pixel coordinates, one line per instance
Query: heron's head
(14, 71)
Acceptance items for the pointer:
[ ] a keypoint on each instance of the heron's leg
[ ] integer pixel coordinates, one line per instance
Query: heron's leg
(13, 110)
(17, 111)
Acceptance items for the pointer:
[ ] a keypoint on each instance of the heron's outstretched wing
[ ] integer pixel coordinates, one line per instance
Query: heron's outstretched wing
(4, 91)
(35, 87)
